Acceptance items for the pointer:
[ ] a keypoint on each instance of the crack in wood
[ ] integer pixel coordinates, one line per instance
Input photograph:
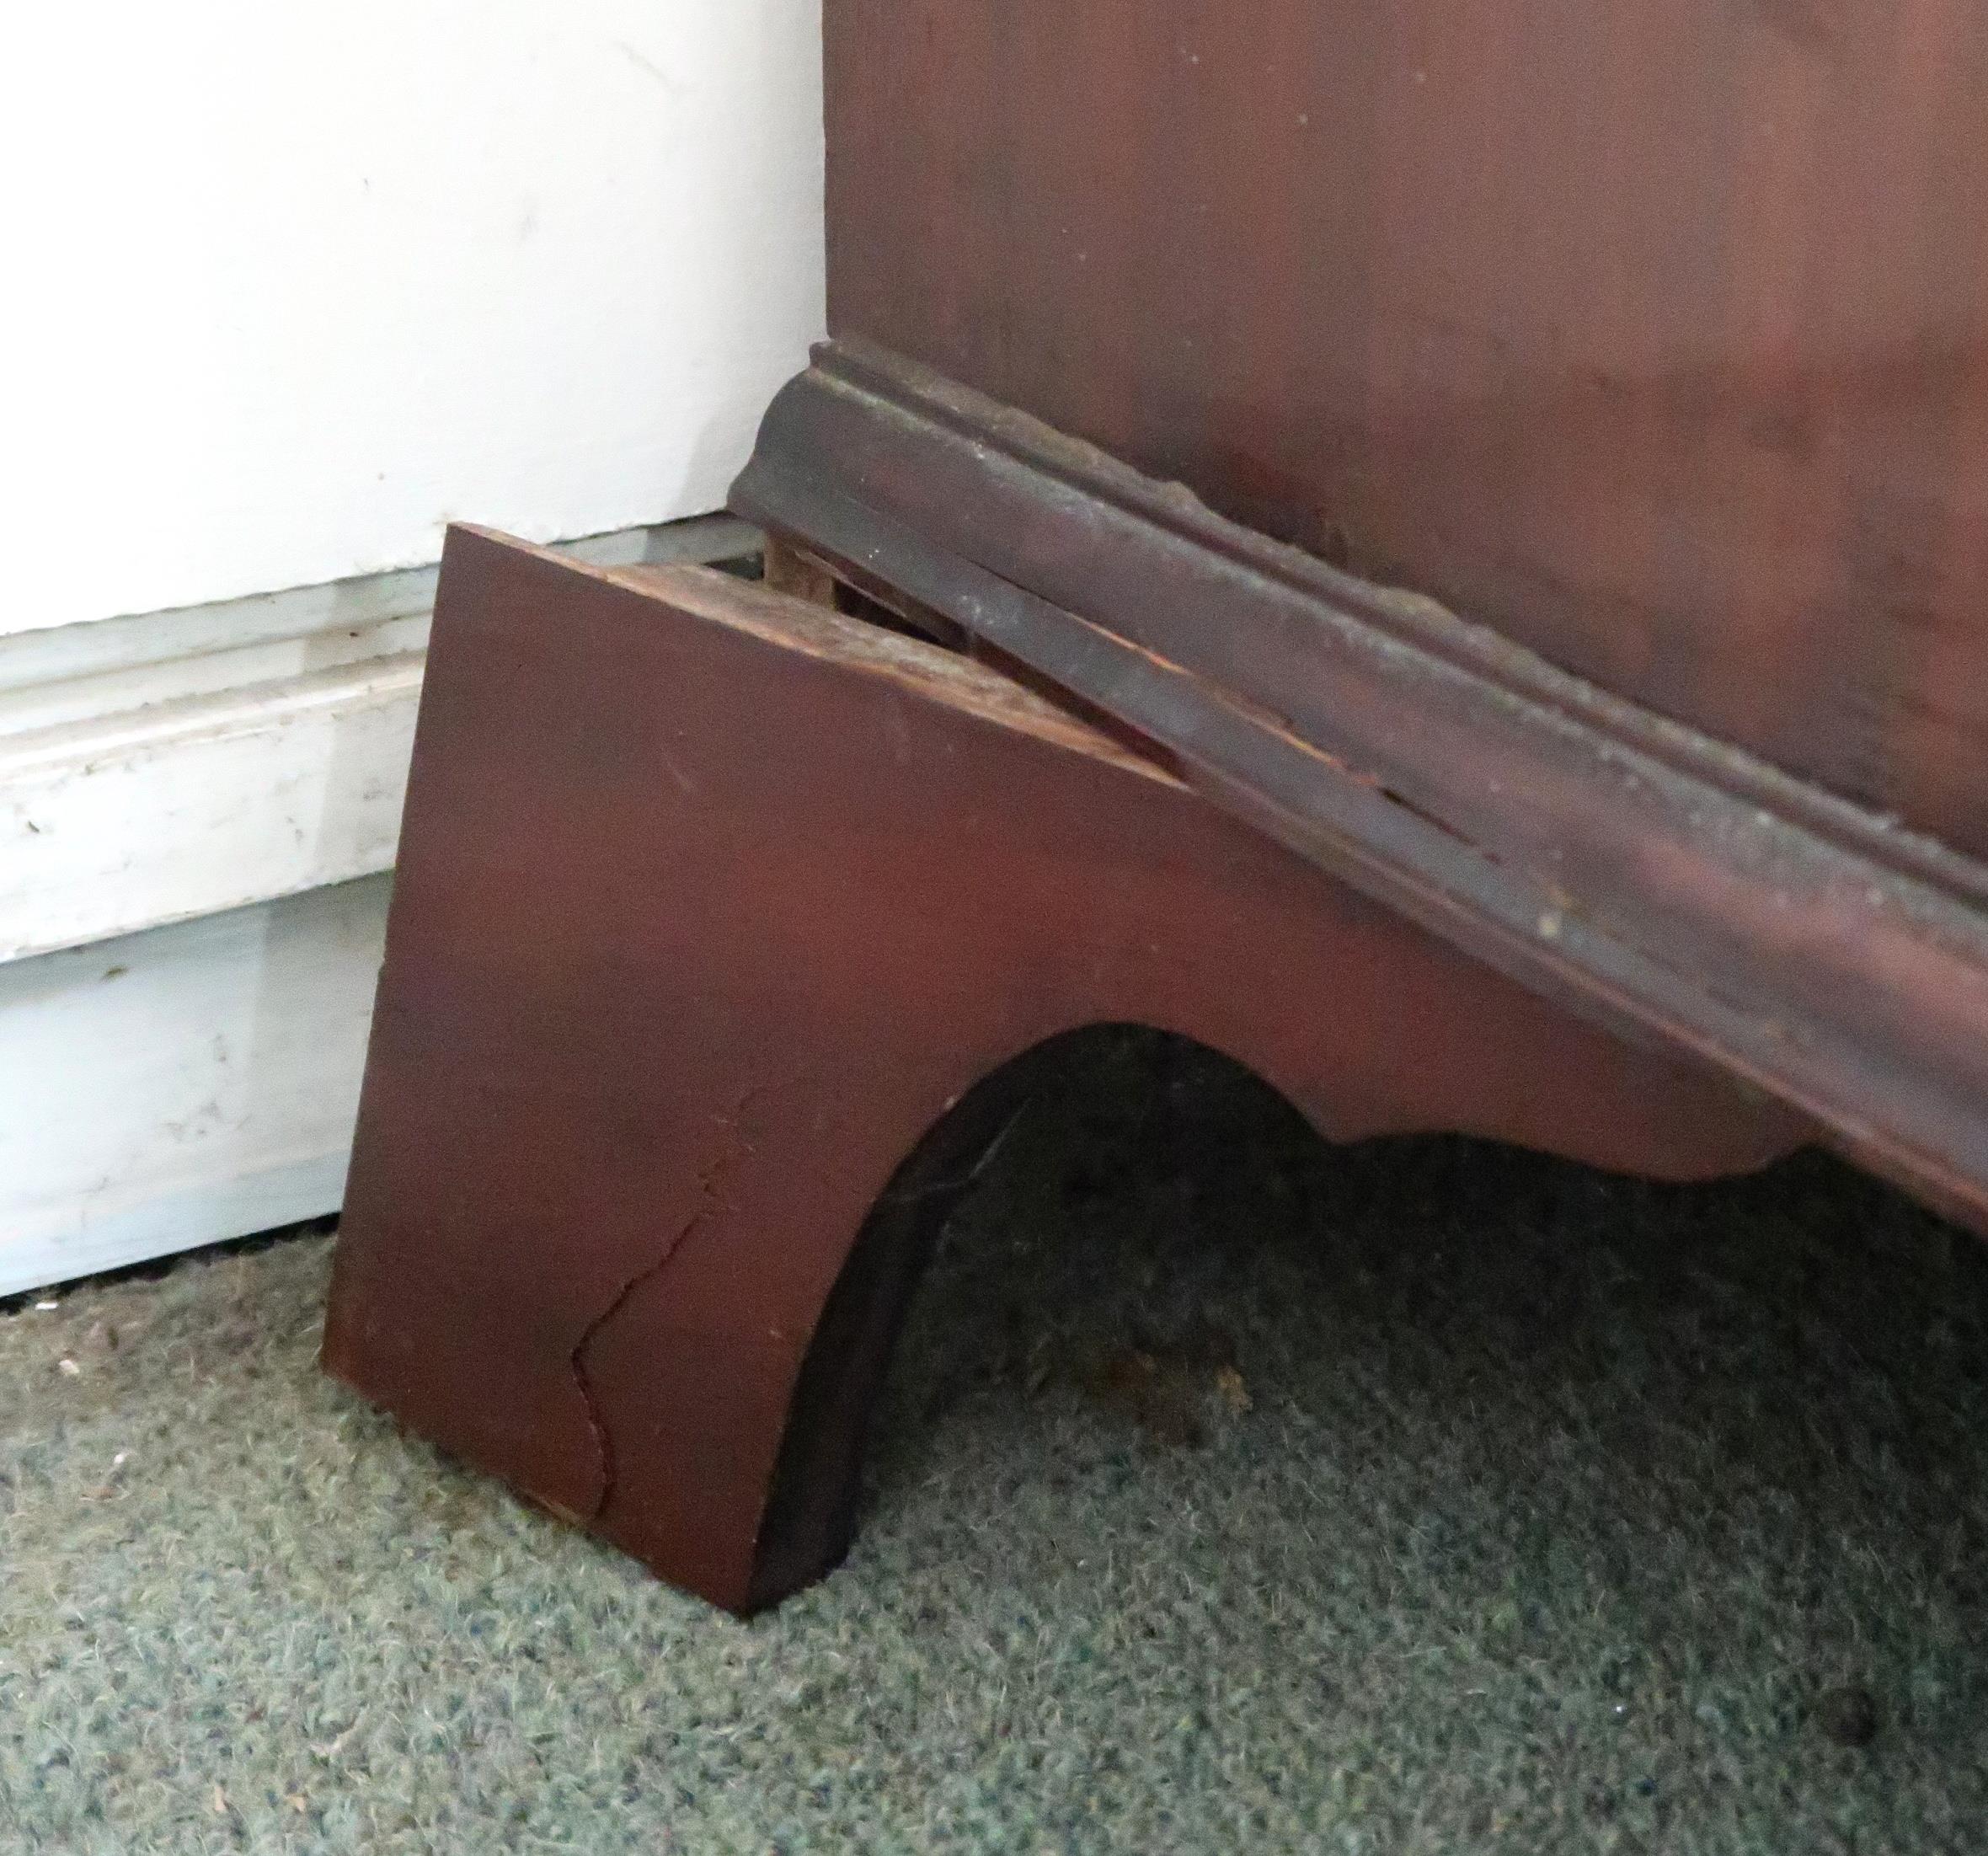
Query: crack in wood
(711, 1175)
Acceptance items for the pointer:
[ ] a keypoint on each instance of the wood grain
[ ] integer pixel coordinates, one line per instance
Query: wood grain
(1654, 335)
(724, 930)
(1635, 870)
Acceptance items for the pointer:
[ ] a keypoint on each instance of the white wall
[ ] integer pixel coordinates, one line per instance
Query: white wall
(295, 285)
(289, 286)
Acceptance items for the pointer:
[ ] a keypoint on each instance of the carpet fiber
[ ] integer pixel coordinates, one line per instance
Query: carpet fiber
(1231, 1493)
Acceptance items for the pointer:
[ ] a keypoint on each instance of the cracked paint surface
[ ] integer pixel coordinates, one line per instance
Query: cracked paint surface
(733, 1150)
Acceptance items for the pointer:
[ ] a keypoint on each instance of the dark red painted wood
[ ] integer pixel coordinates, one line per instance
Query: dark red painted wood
(1654, 334)
(720, 926)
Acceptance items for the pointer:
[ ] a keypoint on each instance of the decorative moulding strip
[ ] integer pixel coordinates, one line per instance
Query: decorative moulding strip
(1605, 855)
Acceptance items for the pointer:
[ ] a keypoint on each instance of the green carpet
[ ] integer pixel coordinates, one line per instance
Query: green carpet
(1232, 1493)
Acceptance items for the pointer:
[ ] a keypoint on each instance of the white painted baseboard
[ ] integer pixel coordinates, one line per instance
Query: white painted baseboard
(162, 767)
(196, 809)
(184, 1085)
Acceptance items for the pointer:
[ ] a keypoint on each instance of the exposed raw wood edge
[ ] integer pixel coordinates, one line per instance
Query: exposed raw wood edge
(1006, 455)
(793, 626)
(183, 1086)
(173, 788)
(1645, 875)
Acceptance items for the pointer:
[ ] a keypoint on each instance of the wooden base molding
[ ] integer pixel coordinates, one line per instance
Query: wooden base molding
(1662, 882)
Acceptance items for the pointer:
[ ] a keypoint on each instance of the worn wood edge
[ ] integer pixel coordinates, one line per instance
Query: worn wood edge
(816, 631)
(1031, 541)
(810, 1516)
(1007, 443)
